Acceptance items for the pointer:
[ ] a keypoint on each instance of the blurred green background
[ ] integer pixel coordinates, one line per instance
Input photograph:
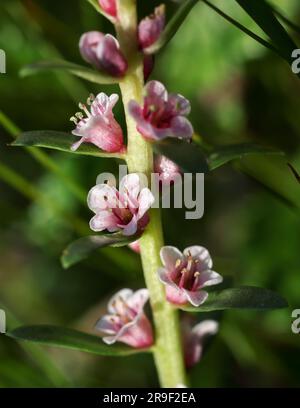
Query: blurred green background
(240, 92)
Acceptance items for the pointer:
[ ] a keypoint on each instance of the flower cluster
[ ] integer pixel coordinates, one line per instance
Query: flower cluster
(126, 210)
(126, 322)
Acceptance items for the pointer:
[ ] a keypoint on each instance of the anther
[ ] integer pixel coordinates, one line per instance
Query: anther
(178, 262)
(73, 119)
(84, 108)
(79, 115)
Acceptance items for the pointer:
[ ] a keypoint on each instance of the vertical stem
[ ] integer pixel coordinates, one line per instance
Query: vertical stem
(168, 348)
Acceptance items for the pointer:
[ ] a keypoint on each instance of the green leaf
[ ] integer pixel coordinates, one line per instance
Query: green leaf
(273, 173)
(83, 247)
(241, 27)
(262, 14)
(78, 70)
(224, 154)
(244, 297)
(172, 26)
(188, 156)
(69, 339)
(62, 141)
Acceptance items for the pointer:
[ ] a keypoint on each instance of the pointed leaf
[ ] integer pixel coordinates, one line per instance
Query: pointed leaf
(69, 339)
(188, 156)
(244, 297)
(83, 247)
(224, 154)
(273, 173)
(62, 141)
(241, 27)
(172, 26)
(78, 70)
(262, 14)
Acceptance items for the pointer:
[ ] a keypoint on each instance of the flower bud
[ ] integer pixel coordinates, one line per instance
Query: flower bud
(103, 51)
(109, 7)
(150, 28)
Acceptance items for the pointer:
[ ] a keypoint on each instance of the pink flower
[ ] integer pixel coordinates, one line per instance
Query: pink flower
(150, 28)
(103, 51)
(193, 339)
(109, 7)
(126, 321)
(166, 169)
(99, 125)
(186, 274)
(135, 246)
(162, 115)
(124, 210)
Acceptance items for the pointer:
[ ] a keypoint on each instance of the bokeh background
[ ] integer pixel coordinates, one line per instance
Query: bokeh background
(240, 92)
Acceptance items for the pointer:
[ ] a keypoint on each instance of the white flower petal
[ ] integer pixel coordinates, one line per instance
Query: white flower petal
(201, 253)
(169, 256)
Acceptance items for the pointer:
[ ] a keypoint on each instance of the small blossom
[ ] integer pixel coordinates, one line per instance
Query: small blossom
(126, 321)
(135, 246)
(162, 115)
(109, 7)
(124, 210)
(103, 51)
(150, 28)
(185, 274)
(166, 169)
(193, 339)
(99, 125)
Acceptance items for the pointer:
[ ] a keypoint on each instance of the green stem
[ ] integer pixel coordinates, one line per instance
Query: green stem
(42, 158)
(168, 348)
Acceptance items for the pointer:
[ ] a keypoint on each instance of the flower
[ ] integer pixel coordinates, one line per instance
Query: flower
(167, 170)
(109, 7)
(162, 115)
(193, 339)
(126, 321)
(186, 274)
(103, 51)
(124, 210)
(150, 28)
(99, 126)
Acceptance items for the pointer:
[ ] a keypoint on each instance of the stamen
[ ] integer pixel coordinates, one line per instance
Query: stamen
(73, 119)
(196, 274)
(84, 108)
(91, 99)
(184, 270)
(177, 263)
(79, 115)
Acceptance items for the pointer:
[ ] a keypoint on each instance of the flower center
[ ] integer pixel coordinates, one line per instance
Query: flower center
(186, 274)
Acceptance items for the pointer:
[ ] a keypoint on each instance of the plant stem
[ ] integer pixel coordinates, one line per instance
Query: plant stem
(168, 348)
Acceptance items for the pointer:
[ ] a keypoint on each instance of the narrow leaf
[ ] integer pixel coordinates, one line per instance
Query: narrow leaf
(262, 14)
(244, 297)
(62, 141)
(188, 156)
(83, 247)
(78, 70)
(69, 339)
(241, 27)
(172, 26)
(224, 154)
(273, 173)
